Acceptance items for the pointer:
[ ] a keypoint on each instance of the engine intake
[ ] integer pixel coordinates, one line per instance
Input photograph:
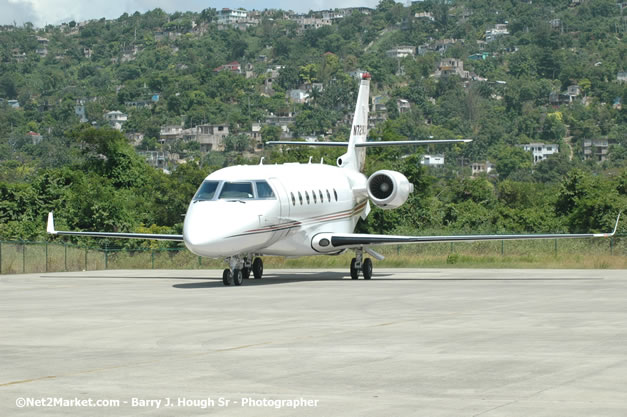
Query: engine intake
(388, 189)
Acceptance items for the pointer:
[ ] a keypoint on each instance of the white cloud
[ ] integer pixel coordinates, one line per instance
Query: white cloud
(16, 11)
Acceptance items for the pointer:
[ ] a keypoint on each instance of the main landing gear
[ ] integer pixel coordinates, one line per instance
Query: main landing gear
(240, 269)
(361, 265)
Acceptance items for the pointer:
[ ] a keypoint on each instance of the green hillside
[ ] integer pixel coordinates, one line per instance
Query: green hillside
(504, 73)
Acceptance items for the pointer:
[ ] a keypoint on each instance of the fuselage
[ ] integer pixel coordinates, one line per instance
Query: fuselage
(272, 209)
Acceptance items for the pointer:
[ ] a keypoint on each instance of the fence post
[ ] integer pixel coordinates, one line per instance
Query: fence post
(23, 257)
(199, 262)
(86, 250)
(502, 247)
(106, 256)
(398, 250)
(452, 249)
(46, 256)
(556, 248)
(65, 257)
(0, 257)
(611, 247)
(152, 255)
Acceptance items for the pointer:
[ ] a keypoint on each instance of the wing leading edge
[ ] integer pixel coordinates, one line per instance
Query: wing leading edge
(150, 236)
(328, 242)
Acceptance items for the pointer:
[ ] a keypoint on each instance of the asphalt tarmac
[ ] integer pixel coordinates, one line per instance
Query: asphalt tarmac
(419, 342)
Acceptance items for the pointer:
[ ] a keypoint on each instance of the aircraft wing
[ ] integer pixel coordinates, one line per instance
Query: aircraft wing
(150, 236)
(328, 242)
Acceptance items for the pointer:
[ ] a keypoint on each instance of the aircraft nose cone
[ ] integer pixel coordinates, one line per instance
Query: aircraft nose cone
(211, 228)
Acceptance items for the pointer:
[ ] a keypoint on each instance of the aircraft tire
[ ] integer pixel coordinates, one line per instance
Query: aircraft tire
(227, 277)
(238, 277)
(366, 268)
(354, 271)
(246, 273)
(258, 268)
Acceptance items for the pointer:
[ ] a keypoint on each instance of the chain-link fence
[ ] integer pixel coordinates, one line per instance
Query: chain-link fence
(28, 257)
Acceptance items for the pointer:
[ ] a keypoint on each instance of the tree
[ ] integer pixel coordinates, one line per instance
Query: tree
(237, 143)
(510, 159)
(270, 133)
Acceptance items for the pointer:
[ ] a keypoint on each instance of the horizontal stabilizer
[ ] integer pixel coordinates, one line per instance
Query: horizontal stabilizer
(370, 144)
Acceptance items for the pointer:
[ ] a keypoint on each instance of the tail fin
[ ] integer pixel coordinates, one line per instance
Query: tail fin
(355, 157)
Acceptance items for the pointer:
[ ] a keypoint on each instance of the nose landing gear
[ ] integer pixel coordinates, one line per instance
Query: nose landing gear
(240, 269)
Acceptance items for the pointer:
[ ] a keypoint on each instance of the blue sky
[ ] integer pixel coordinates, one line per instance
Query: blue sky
(42, 12)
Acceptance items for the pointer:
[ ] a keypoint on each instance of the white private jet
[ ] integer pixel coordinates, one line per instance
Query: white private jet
(240, 213)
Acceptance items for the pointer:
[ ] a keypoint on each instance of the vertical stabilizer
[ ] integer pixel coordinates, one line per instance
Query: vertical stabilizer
(354, 158)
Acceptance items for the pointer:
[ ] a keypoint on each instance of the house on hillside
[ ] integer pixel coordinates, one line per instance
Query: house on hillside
(479, 168)
(228, 16)
(401, 51)
(80, 110)
(436, 161)
(540, 151)
(170, 132)
(451, 66)
(210, 136)
(234, 67)
(298, 95)
(496, 32)
(425, 15)
(35, 137)
(479, 56)
(596, 149)
(402, 105)
(116, 119)
(306, 23)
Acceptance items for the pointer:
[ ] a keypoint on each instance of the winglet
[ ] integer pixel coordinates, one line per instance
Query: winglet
(616, 225)
(613, 232)
(50, 228)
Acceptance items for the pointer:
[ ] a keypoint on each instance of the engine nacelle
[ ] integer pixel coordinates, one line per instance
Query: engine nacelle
(388, 189)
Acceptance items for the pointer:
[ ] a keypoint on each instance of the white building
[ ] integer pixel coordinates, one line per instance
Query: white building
(401, 51)
(307, 23)
(540, 151)
(80, 110)
(170, 132)
(230, 16)
(116, 119)
(425, 15)
(482, 167)
(298, 95)
(496, 32)
(432, 160)
(403, 105)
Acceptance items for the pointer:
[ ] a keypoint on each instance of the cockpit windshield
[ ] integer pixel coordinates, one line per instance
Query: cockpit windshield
(207, 190)
(237, 190)
(263, 190)
(240, 190)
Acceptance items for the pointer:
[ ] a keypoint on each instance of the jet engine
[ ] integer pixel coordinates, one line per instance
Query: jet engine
(388, 189)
